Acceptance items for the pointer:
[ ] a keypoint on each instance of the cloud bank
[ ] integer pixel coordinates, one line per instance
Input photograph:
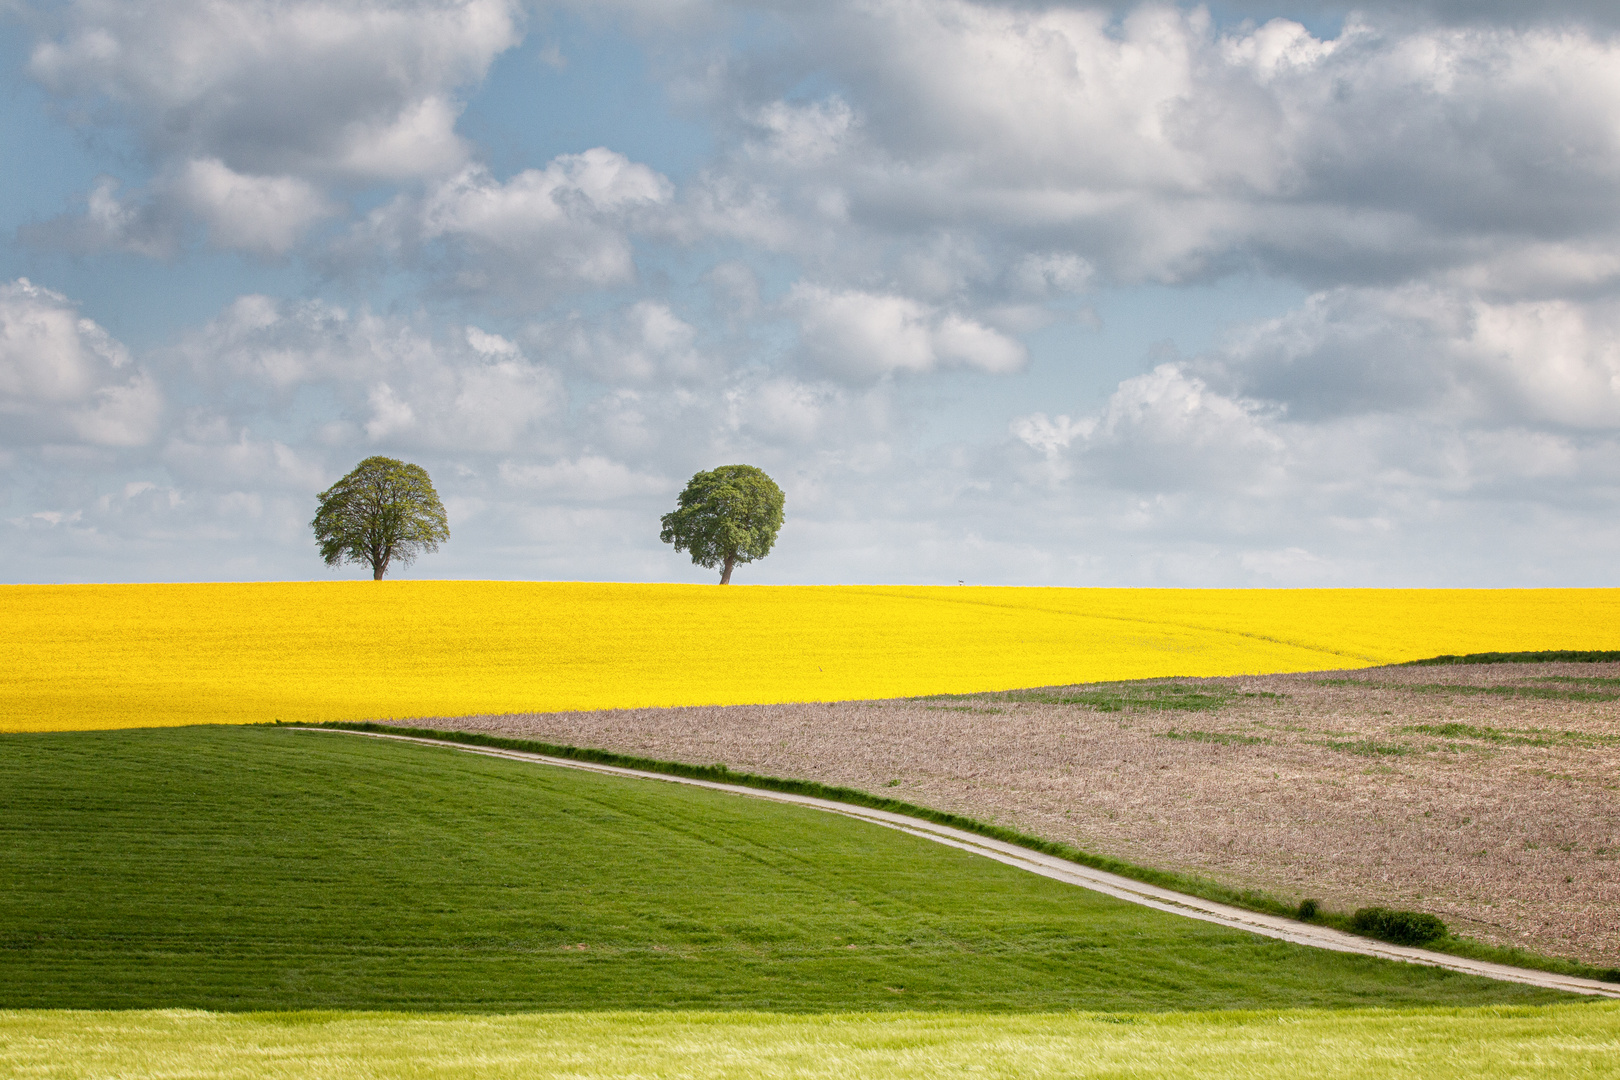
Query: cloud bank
(881, 282)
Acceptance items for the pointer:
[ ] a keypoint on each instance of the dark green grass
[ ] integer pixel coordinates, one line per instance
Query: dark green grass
(1545, 693)
(262, 868)
(1220, 738)
(1513, 736)
(1548, 656)
(1150, 694)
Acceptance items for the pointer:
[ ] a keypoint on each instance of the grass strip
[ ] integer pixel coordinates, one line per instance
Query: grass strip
(1364, 747)
(1219, 738)
(1545, 656)
(1505, 1043)
(1249, 899)
(1513, 736)
(1544, 693)
(1162, 695)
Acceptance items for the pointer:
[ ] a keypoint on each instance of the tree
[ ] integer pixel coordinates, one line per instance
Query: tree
(382, 512)
(726, 516)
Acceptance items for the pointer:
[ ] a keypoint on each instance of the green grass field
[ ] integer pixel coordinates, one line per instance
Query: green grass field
(237, 869)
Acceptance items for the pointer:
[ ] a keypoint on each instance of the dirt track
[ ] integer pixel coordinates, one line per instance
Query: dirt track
(1319, 785)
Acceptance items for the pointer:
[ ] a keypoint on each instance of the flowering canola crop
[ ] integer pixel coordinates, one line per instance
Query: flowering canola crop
(103, 656)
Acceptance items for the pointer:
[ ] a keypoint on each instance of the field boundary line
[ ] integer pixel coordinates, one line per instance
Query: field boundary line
(1059, 869)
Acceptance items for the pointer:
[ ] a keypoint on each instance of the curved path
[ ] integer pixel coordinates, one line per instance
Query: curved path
(1122, 888)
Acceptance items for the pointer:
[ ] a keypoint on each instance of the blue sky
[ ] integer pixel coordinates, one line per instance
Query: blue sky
(1069, 294)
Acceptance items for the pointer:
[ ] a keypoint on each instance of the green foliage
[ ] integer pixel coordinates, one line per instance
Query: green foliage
(266, 869)
(726, 516)
(1398, 927)
(384, 511)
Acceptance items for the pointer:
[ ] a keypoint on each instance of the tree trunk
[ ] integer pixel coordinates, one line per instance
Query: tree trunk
(378, 571)
(725, 575)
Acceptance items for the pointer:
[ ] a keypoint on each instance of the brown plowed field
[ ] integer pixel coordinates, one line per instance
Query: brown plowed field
(1486, 794)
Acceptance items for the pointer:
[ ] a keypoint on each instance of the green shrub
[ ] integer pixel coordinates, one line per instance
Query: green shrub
(1397, 927)
(1308, 910)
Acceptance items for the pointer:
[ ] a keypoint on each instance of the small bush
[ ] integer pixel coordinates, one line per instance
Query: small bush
(1397, 927)
(1309, 910)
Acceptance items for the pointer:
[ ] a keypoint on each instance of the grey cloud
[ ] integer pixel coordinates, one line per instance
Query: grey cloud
(1595, 13)
(141, 226)
(1442, 352)
(1153, 146)
(307, 87)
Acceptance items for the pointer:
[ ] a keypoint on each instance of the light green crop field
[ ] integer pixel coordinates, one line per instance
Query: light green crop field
(232, 868)
(1574, 1042)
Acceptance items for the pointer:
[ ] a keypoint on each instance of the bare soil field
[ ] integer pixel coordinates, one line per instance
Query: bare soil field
(1486, 794)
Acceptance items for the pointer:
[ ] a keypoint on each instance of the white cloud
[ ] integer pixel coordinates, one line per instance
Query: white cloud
(863, 336)
(248, 110)
(265, 214)
(65, 379)
(390, 382)
(1165, 431)
(801, 135)
(643, 343)
(1155, 147)
(312, 88)
(587, 478)
(566, 225)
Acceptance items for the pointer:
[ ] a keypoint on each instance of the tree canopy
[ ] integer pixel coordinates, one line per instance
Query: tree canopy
(385, 511)
(726, 516)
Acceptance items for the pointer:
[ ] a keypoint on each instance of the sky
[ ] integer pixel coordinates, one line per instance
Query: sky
(1249, 294)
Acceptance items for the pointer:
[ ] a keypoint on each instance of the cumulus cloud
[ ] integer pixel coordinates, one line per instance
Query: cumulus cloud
(65, 379)
(249, 110)
(1155, 146)
(300, 87)
(863, 336)
(1407, 433)
(1165, 431)
(264, 214)
(391, 383)
(567, 225)
(643, 343)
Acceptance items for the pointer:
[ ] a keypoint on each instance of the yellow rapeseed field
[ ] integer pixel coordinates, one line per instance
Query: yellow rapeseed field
(101, 656)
